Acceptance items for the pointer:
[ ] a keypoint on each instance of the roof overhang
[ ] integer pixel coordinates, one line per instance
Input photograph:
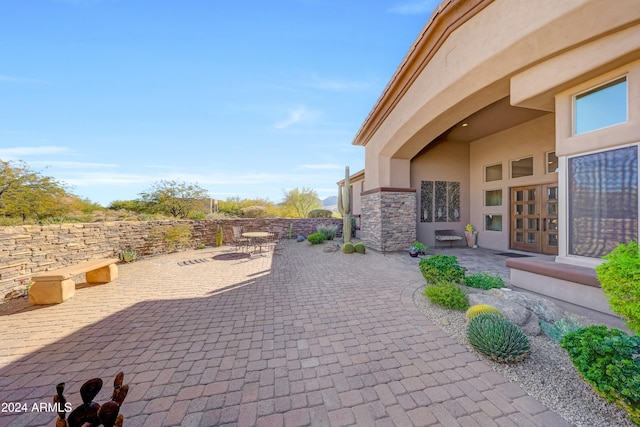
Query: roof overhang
(446, 18)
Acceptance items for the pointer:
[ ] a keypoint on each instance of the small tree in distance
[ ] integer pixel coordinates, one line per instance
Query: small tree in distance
(178, 199)
(299, 202)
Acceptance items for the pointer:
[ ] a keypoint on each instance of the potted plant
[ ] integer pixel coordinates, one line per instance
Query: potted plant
(472, 235)
(418, 249)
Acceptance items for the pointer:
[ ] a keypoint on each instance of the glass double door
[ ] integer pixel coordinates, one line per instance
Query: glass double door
(534, 218)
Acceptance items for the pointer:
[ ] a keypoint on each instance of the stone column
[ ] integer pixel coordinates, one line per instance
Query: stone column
(388, 219)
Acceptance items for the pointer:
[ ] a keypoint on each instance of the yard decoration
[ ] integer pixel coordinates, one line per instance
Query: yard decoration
(344, 207)
(90, 413)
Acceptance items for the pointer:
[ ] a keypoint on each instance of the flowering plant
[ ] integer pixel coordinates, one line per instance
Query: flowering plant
(470, 228)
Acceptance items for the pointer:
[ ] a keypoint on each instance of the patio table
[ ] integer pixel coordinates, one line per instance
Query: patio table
(256, 237)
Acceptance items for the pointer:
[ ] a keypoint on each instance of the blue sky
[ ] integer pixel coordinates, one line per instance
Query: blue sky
(247, 98)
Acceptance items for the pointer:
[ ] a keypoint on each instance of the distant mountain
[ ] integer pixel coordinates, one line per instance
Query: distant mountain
(330, 201)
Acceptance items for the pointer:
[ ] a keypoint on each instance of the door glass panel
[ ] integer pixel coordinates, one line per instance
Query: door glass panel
(520, 237)
(553, 240)
(519, 196)
(531, 194)
(519, 209)
(519, 223)
(552, 209)
(531, 209)
(531, 237)
(552, 224)
(552, 193)
(532, 224)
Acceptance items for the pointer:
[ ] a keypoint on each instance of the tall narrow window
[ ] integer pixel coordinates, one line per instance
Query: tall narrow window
(601, 107)
(602, 201)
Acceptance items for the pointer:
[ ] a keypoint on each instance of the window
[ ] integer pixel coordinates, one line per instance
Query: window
(493, 198)
(603, 106)
(551, 162)
(493, 222)
(493, 173)
(440, 201)
(522, 167)
(602, 201)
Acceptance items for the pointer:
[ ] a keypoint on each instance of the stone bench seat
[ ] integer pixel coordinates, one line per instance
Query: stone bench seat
(566, 282)
(56, 286)
(449, 236)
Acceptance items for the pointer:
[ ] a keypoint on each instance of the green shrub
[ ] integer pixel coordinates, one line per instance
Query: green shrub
(619, 278)
(176, 236)
(498, 338)
(447, 295)
(329, 230)
(484, 281)
(420, 248)
(128, 255)
(320, 213)
(441, 268)
(479, 309)
(608, 359)
(559, 328)
(254, 212)
(316, 238)
(348, 248)
(359, 248)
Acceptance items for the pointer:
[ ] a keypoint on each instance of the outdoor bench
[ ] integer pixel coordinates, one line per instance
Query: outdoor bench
(56, 286)
(449, 236)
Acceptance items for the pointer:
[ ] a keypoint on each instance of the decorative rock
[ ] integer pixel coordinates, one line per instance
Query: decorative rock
(546, 309)
(511, 310)
(331, 248)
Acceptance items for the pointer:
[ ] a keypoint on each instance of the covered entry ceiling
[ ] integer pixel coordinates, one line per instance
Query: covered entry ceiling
(491, 119)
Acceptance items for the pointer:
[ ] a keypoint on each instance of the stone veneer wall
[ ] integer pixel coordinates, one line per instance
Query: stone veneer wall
(388, 219)
(30, 249)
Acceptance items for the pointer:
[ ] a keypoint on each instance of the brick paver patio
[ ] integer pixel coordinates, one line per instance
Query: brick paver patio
(298, 338)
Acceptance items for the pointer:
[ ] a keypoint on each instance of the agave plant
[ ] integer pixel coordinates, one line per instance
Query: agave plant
(129, 255)
(498, 338)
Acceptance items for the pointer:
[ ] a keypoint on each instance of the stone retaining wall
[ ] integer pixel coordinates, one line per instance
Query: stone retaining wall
(31, 249)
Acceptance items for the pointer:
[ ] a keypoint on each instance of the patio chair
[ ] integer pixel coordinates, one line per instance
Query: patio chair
(238, 241)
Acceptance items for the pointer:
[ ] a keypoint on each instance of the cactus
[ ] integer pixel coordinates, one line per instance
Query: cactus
(347, 248)
(498, 338)
(482, 309)
(129, 255)
(359, 248)
(344, 206)
(219, 236)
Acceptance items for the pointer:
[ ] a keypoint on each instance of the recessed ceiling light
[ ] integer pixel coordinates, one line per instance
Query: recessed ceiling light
(464, 125)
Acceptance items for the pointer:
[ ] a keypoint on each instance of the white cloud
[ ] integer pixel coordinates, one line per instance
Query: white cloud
(12, 79)
(334, 84)
(322, 166)
(15, 152)
(73, 165)
(415, 7)
(97, 178)
(294, 117)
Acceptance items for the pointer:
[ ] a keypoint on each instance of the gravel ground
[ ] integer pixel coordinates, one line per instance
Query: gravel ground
(547, 374)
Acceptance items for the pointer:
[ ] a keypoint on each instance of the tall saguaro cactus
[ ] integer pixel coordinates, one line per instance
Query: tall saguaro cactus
(344, 206)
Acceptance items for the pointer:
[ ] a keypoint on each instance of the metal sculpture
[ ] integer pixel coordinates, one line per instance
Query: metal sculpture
(90, 413)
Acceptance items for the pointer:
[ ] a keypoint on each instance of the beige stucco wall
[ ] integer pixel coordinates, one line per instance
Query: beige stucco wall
(534, 138)
(474, 71)
(446, 161)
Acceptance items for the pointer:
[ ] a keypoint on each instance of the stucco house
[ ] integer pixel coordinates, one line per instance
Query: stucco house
(519, 117)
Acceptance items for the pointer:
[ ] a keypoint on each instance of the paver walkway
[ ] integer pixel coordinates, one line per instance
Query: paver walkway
(302, 337)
